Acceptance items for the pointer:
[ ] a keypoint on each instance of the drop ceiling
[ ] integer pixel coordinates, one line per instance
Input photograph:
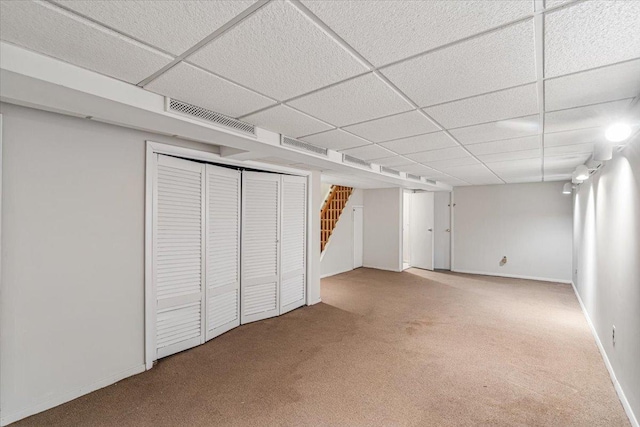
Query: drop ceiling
(465, 92)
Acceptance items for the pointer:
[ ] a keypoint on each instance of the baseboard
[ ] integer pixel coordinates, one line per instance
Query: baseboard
(68, 396)
(607, 363)
(513, 276)
(319, 300)
(335, 273)
(384, 269)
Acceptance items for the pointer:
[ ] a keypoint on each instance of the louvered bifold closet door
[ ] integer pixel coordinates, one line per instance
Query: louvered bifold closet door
(178, 253)
(293, 243)
(223, 250)
(260, 247)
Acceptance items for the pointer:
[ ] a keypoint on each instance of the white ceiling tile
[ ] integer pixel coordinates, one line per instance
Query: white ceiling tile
(287, 121)
(442, 154)
(520, 167)
(485, 180)
(335, 139)
(515, 102)
(394, 161)
(414, 144)
(363, 98)
(394, 127)
(505, 145)
(512, 155)
(477, 171)
(169, 25)
(454, 182)
(492, 62)
(585, 117)
(386, 31)
(605, 84)
(48, 29)
(569, 149)
(494, 131)
(535, 177)
(562, 164)
(195, 86)
(419, 169)
(591, 34)
(443, 164)
(571, 137)
(368, 152)
(554, 3)
(279, 52)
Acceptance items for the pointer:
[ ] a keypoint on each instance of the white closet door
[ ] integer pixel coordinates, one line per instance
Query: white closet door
(421, 224)
(178, 251)
(294, 242)
(223, 250)
(260, 246)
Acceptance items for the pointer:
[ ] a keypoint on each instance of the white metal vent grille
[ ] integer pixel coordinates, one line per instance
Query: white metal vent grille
(303, 146)
(412, 176)
(200, 113)
(431, 181)
(355, 161)
(389, 171)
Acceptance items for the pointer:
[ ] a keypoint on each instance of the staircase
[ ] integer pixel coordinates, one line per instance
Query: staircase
(331, 211)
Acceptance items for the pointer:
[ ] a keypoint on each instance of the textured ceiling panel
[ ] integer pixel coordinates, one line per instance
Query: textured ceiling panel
(471, 171)
(287, 121)
(571, 137)
(494, 131)
(279, 52)
(562, 164)
(591, 34)
(512, 155)
(585, 117)
(492, 62)
(443, 164)
(368, 152)
(50, 30)
(336, 140)
(505, 145)
(484, 180)
(515, 102)
(561, 150)
(354, 101)
(554, 3)
(414, 144)
(386, 31)
(442, 154)
(190, 84)
(394, 127)
(394, 161)
(518, 179)
(169, 25)
(604, 84)
(517, 167)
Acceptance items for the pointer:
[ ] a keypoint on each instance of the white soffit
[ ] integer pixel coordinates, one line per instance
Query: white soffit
(172, 26)
(394, 161)
(494, 61)
(279, 52)
(51, 30)
(414, 144)
(368, 152)
(514, 102)
(356, 100)
(419, 169)
(585, 117)
(335, 140)
(502, 129)
(287, 121)
(505, 145)
(442, 154)
(394, 127)
(604, 84)
(590, 34)
(187, 83)
(386, 31)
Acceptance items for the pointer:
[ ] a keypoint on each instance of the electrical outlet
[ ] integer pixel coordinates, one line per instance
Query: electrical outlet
(613, 335)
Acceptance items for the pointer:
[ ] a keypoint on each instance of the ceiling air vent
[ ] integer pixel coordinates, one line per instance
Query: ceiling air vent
(412, 176)
(302, 146)
(355, 161)
(389, 171)
(431, 181)
(203, 114)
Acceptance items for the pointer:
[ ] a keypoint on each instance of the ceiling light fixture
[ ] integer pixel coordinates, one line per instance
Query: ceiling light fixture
(618, 132)
(566, 189)
(582, 172)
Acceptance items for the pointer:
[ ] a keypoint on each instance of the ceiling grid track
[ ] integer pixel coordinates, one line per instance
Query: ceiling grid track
(538, 23)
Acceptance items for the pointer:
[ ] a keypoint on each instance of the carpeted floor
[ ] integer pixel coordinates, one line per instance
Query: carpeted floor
(417, 348)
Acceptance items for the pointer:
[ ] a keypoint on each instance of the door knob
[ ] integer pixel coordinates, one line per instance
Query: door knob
(448, 230)
(430, 229)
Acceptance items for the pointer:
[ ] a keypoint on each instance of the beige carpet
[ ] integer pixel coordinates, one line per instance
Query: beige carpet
(387, 349)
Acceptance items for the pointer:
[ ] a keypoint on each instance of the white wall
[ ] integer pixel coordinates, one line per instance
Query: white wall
(383, 229)
(607, 265)
(530, 224)
(72, 307)
(338, 254)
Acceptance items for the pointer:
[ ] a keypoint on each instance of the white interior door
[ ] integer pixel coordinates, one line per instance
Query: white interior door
(422, 230)
(358, 237)
(406, 228)
(260, 262)
(293, 275)
(223, 250)
(442, 230)
(178, 270)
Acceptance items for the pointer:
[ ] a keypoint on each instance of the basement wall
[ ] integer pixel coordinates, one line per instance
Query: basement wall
(530, 224)
(606, 263)
(383, 228)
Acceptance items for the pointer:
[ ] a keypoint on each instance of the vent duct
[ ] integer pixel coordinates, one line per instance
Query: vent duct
(412, 176)
(302, 146)
(389, 171)
(431, 181)
(193, 111)
(355, 161)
